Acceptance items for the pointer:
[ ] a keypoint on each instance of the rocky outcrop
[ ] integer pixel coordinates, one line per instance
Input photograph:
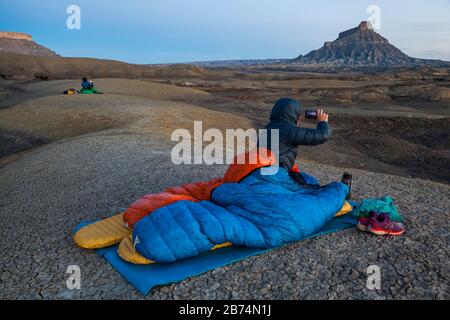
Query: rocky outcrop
(362, 46)
(358, 46)
(22, 43)
(15, 35)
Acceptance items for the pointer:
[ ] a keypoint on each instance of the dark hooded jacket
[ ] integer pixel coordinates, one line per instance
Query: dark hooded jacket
(285, 114)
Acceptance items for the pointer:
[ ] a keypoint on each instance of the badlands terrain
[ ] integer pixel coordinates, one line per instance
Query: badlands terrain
(66, 159)
(394, 123)
(71, 158)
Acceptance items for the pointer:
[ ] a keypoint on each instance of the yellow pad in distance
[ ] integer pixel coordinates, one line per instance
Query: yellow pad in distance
(127, 252)
(103, 233)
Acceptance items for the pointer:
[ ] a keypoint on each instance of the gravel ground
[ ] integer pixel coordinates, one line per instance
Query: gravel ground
(46, 193)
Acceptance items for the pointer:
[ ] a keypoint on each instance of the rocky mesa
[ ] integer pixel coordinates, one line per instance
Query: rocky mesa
(362, 46)
(22, 43)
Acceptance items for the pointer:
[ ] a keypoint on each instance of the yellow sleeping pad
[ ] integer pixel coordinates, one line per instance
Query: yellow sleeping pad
(346, 208)
(127, 252)
(104, 233)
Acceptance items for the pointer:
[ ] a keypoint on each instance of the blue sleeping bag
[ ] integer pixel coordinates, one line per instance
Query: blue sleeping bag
(262, 211)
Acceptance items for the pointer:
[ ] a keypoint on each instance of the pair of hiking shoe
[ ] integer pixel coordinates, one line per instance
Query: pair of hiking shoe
(380, 224)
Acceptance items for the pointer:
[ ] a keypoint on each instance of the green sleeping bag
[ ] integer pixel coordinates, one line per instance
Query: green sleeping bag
(89, 91)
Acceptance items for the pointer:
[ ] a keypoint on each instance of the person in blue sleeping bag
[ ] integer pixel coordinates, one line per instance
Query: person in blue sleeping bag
(260, 211)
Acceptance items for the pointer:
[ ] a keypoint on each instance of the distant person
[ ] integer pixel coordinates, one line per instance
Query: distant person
(87, 84)
(285, 117)
(87, 87)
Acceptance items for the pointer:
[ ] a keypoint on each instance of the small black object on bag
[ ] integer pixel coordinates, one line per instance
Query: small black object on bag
(347, 179)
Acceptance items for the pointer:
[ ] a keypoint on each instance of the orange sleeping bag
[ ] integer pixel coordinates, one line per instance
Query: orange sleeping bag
(197, 191)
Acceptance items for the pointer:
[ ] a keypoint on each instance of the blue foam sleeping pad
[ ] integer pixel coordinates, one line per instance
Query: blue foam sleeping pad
(145, 277)
(268, 210)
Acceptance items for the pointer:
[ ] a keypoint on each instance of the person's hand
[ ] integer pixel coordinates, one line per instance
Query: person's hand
(322, 116)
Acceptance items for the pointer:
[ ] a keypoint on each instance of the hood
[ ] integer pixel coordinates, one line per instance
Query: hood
(286, 110)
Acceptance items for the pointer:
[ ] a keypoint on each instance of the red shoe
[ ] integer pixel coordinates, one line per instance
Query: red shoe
(382, 225)
(363, 224)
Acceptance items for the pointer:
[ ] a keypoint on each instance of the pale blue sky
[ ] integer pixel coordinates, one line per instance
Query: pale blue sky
(159, 31)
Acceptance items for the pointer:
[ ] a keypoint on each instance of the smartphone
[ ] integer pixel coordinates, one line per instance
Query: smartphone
(311, 114)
